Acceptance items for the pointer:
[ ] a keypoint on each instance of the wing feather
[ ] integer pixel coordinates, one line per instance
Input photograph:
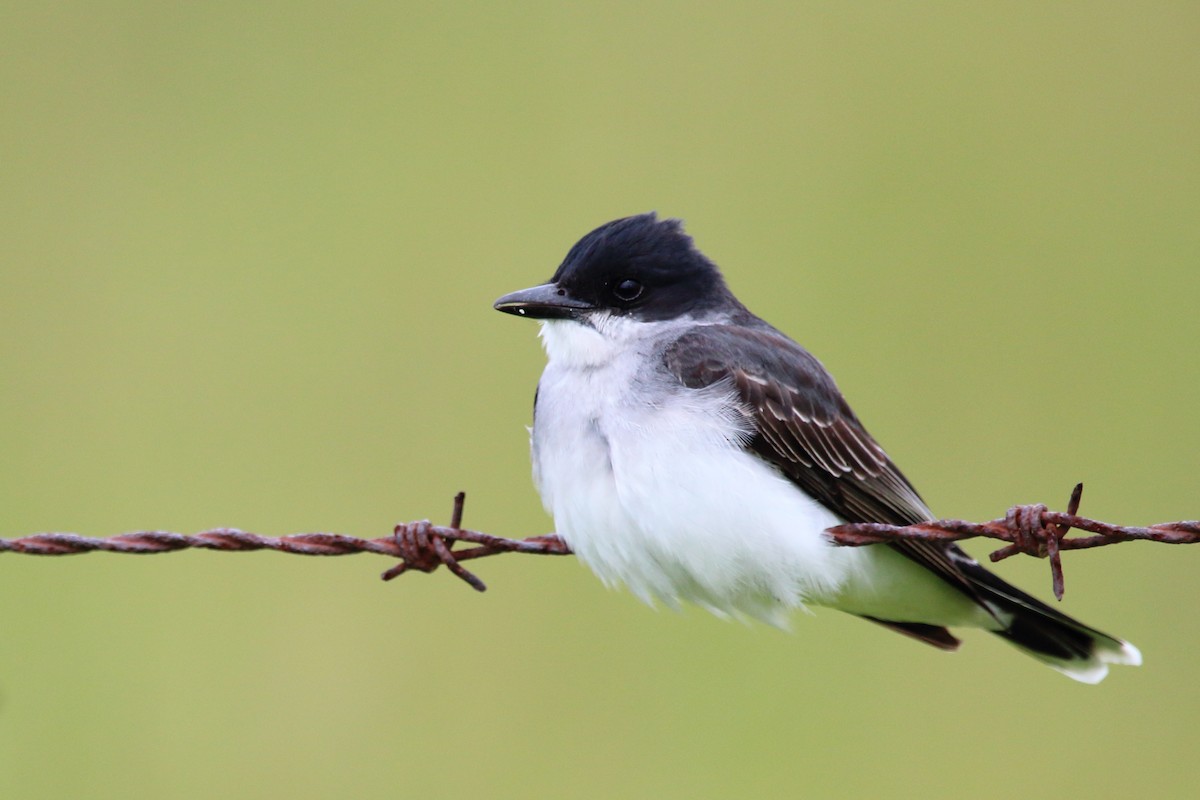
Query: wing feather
(804, 427)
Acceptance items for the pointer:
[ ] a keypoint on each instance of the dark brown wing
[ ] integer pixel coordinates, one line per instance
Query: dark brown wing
(803, 426)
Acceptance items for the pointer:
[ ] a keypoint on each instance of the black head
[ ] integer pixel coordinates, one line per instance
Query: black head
(641, 266)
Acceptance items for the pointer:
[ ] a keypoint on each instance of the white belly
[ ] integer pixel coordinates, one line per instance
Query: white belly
(662, 500)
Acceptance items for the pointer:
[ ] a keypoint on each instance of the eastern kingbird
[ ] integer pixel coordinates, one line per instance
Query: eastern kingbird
(691, 451)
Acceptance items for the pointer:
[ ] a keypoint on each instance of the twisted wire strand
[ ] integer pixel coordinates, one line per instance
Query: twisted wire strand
(1030, 529)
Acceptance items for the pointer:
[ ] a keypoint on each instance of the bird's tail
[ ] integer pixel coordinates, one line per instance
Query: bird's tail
(1065, 644)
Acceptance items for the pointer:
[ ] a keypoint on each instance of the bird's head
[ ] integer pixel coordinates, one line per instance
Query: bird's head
(639, 268)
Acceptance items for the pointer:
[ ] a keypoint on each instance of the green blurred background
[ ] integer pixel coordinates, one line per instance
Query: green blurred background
(247, 256)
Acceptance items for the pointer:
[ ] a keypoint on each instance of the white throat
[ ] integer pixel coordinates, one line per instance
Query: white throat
(600, 339)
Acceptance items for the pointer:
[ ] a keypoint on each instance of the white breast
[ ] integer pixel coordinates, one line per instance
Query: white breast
(647, 482)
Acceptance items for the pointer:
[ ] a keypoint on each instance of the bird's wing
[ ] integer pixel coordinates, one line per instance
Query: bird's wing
(802, 425)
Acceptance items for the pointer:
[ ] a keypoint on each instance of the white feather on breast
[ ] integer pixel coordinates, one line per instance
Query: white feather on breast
(649, 485)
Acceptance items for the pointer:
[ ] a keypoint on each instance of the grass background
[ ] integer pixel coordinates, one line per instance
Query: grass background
(247, 255)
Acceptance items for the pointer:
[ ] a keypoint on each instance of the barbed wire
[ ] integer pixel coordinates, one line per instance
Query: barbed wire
(1030, 529)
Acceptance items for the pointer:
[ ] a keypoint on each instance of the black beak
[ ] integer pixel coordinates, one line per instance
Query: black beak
(548, 301)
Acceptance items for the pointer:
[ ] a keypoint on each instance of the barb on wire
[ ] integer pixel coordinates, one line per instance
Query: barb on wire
(1030, 529)
(423, 546)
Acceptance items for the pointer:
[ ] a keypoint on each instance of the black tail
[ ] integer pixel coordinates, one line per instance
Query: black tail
(1048, 635)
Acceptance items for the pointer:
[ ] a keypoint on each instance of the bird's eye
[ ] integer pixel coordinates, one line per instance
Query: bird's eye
(627, 290)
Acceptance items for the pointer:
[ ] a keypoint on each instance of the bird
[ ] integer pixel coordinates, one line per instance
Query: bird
(690, 451)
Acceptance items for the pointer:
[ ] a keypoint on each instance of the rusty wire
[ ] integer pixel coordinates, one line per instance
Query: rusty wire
(420, 545)
(1030, 529)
